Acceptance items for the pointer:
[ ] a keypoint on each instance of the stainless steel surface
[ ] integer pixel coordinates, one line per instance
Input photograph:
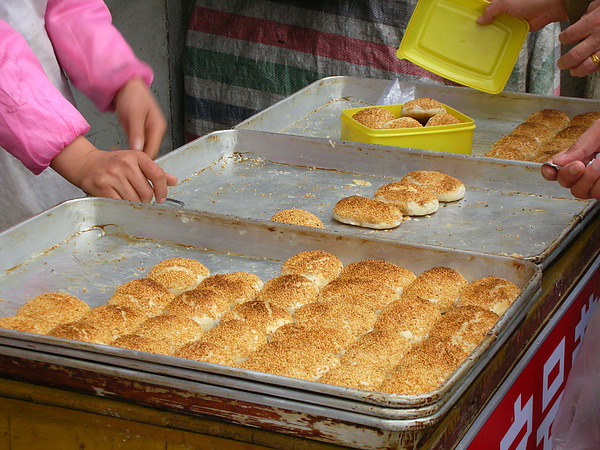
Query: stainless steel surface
(314, 111)
(508, 209)
(116, 241)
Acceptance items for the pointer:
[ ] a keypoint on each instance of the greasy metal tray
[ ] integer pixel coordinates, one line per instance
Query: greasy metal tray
(508, 208)
(90, 246)
(315, 110)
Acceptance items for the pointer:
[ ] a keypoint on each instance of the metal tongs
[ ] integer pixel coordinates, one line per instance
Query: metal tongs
(171, 202)
(554, 166)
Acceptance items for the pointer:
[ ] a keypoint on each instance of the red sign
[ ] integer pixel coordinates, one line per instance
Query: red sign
(522, 419)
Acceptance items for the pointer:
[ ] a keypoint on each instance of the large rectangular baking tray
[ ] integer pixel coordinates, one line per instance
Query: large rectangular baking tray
(315, 110)
(87, 247)
(508, 208)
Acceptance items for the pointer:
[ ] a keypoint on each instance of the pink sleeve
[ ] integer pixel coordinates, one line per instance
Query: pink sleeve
(36, 121)
(92, 52)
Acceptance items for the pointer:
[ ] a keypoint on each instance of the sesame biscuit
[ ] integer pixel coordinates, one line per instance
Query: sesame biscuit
(439, 285)
(296, 216)
(384, 272)
(317, 265)
(410, 198)
(142, 294)
(288, 291)
(373, 117)
(178, 274)
(446, 187)
(493, 293)
(50, 309)
(366, 212)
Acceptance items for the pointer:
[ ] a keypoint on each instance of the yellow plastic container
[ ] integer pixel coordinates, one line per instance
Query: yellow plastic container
(456, 138)
(443, 36)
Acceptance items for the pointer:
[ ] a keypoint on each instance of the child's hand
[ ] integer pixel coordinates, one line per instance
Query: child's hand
(121, 174)
(141, 117)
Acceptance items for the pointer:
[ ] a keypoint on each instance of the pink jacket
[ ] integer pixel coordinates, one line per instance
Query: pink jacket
(36, 121)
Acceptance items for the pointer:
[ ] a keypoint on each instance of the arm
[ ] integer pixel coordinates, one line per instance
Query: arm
(102, 65)
(41, 128)
(36, 121)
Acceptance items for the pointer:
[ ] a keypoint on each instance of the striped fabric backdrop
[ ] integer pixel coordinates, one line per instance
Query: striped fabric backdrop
(243, 56)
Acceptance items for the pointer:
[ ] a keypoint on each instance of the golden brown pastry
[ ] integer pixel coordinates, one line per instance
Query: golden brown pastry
(508, 152)
(442, 119)
(117, 320)
(82, 331)
(384, 272)
(382, 348)
(178, 274)
(142, 294)
(264, 316)
(237, 337)
(296, 361)
(367, 377)
(288, 292)
(540, 132)
(207, 352)
(367, 212)
(373, 117)
(173, 330)
(296, 216)
(422, 109)
(550, 149)
(572, 132)
(25, 324)
(585, 119)
(235, 287)
(358, 291)
(315, 334)
(203, 305)
(410, 198)
(352, 317)
(446, 187)
(493, 293)
(552, 118)
(525, 145)
(402, 122)
(439, 285)
(317, 265)
(53, 308)
(412, 318)
(425, 368)
(465, 326)
(142, 344)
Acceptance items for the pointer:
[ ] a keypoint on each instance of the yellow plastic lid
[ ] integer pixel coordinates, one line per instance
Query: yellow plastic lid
(443, 37)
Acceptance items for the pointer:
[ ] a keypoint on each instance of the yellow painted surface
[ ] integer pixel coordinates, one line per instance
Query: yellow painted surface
(35, 417)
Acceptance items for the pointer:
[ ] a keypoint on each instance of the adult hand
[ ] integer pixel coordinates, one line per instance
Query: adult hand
(580, 171)
(538, 13)
(586, 34)
(141, 117)
(121, 174)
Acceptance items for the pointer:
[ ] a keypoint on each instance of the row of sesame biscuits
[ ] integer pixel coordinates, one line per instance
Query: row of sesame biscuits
(418, 193)
(317, 321)
(416, 113)
(543, 134)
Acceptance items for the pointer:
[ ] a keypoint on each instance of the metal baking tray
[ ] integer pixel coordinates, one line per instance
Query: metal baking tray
(508, 208)
(315, 110)
(87, 247)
